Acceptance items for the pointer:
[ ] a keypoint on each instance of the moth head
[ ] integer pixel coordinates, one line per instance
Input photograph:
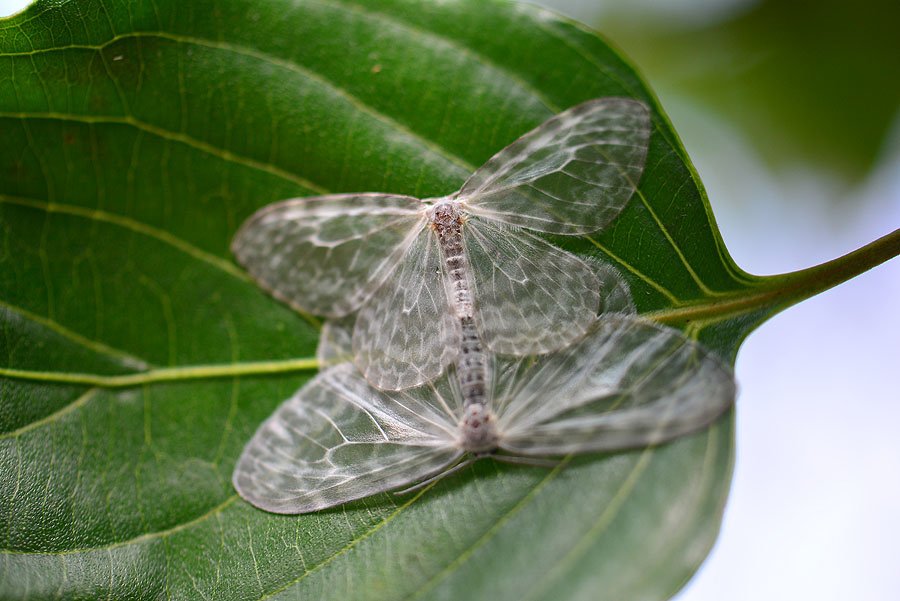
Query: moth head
(478, 429)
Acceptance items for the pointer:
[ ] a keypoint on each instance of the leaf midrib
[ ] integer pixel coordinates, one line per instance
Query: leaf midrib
(772, 292)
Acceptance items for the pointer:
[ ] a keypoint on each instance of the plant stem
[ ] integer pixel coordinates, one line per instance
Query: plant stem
(781, 291)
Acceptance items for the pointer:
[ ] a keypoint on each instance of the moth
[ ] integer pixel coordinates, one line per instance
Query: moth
(629, 382)
(431, 280)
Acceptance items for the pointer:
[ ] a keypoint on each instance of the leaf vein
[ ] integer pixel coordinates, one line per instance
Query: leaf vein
(124, 359)
(350, 545)
(146, 537)
(551, 573)
(130, 224)
(292, 66)
(431, 37)
(160, 132)
(498, 524)
(636, 272)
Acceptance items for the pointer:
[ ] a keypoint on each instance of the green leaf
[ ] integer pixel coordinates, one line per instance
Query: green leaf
(138, 359)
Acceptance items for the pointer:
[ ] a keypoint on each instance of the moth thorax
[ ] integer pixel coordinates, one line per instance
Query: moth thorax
(446, 216)
(479, 429)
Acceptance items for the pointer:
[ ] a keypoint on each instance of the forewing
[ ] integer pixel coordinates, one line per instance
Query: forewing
(405, 334)
(335, 342)
(338, 439)
(571, 175)
(629, 383)
(530, 297)
(327, 254)
(615, 296)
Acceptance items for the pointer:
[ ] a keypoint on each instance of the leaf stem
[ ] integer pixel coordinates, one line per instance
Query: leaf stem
(781, 291)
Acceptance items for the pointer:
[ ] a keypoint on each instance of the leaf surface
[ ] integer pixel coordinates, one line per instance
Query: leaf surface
(137, 137)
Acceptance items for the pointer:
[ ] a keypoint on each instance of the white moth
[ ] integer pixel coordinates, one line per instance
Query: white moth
(628, 383)
(435, 281)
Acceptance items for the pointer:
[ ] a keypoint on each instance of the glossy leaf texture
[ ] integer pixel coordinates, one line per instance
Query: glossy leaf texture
(136, 137)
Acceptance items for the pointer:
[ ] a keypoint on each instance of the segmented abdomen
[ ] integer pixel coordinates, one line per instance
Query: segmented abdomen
(471, 362)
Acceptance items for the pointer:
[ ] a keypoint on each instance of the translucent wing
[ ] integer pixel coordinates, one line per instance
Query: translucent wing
(630, 382)
(335, 342)
(530, 296)
(338, 439)
(405, 334)
(615, 296)
(571, 175)
(327, 254)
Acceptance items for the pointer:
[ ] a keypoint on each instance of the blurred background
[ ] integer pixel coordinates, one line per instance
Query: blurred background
(789, 111)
